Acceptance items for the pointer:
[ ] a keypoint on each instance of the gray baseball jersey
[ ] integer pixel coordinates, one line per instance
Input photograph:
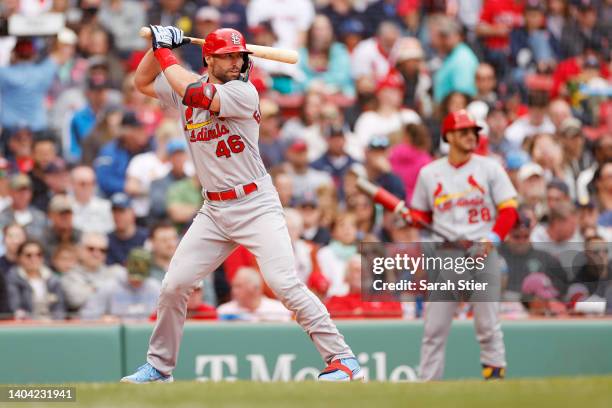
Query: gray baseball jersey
(224, 146)
(463, 200)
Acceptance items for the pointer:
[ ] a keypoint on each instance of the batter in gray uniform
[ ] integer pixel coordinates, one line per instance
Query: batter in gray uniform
(220, 116)
(465, 196)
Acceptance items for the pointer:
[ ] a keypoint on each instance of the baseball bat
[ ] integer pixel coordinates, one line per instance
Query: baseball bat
(390, 202)
(270, 53)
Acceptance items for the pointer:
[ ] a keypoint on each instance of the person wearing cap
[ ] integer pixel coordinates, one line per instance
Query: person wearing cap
(513, 163)
(44, 153)
(176, 151)
(458, 69)
(21, 210)
(84, 120)
(90, 212)
(60, 229)
(324, 61)
(305, 178)
(127, 234)
(133, 298)
(312, 230)
(407, 57)
(113, 160)
(559, 237)
(335, 161)
(341, 13)
(57, 181)
(91, 273)
(207, 20)
(540, 296)
(24, 86)
(531, 185)
(497, 122)
(557, 193)
(577, 153)
(389, 116)
(602, 150)
(19, 151)
(5, 198)
(378, 167)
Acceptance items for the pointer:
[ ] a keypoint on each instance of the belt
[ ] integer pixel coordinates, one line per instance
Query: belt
(230, 194)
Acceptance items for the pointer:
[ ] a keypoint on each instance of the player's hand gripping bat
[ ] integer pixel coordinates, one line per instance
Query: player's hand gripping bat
(391, 203)
(271, 53)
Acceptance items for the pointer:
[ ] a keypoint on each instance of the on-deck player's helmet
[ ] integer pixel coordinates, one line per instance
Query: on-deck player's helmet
(459, 120)
(225, 41)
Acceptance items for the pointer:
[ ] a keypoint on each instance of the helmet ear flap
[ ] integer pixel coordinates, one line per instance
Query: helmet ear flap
(245, 62)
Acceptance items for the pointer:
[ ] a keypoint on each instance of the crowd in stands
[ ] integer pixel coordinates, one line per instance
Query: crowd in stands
(97, 185)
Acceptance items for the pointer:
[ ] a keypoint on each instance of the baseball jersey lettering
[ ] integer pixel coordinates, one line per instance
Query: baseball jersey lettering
(224, 146)
(463, 200)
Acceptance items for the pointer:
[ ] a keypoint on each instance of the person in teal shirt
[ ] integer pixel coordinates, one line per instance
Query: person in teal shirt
(458, 69)
(324, 60)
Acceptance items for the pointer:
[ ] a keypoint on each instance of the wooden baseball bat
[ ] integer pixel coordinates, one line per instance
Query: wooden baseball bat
(271, 53)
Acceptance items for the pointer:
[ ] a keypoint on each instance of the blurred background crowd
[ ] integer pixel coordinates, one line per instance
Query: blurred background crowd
(97, 186)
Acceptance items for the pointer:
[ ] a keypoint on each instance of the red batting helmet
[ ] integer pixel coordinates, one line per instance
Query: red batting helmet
(459, 120)
(225, 41)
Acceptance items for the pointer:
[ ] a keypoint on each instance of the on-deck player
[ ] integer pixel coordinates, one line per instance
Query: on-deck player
(471, 197)
(220, 115)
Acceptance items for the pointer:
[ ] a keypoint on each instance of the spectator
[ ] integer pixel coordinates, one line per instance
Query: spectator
(112, 162)
(289, 18)
(389, 116)
(90, 213)
(407, 58)
(106, 129)
(602, 150)
(84, 120)
(271, 148)
(13, 235)
(24, 85)
(283, 183)
(532, 187)
(126, 235)
(334, 257)
(486, 84)
(535, 122)
(339, 13)
(20, 149)
(557, 194)
(458, 70)
(248, 302)
(44, 152)
(497, 122)
(584, 31)
(305, 254)
(351, 33)
(34, 292)
(325, 61)
(577, 157)
(408, 156)
(558, 111)
(336, 161)
(57, 180)
(593, 276)
(370, 59)
(233, 14)
(352, 306)
(365, 215)
(64, 259)
(307, 125)
(312, 231)
(21, 211)
(123, 19)
(522, 258)
(497, 20)
(60, 230)
(176, 151)
(197, 309)
(172, 13)
(556, 16)
(164, 240)
(603, 187)
(588, 216)
(540, 296)
(183, 201)
(379, 170)
(560, 235)
(91, 274)
(306, 180)
(207, 20)
(132, 298)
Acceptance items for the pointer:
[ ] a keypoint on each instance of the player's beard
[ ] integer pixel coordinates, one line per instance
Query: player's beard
(226, 75)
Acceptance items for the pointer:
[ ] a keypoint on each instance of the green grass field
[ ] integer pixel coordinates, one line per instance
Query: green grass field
(592, 392)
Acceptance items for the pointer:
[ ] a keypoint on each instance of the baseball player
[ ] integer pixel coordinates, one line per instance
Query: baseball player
(469, 197)
(220, 116)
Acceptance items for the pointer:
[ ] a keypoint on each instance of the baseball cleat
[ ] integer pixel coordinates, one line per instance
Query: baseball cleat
(147, 374)
(493, 373)
(346, 369)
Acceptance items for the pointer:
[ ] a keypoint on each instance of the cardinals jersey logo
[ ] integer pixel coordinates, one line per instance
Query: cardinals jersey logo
(189, 125)
(460, 198)
(472, 182)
